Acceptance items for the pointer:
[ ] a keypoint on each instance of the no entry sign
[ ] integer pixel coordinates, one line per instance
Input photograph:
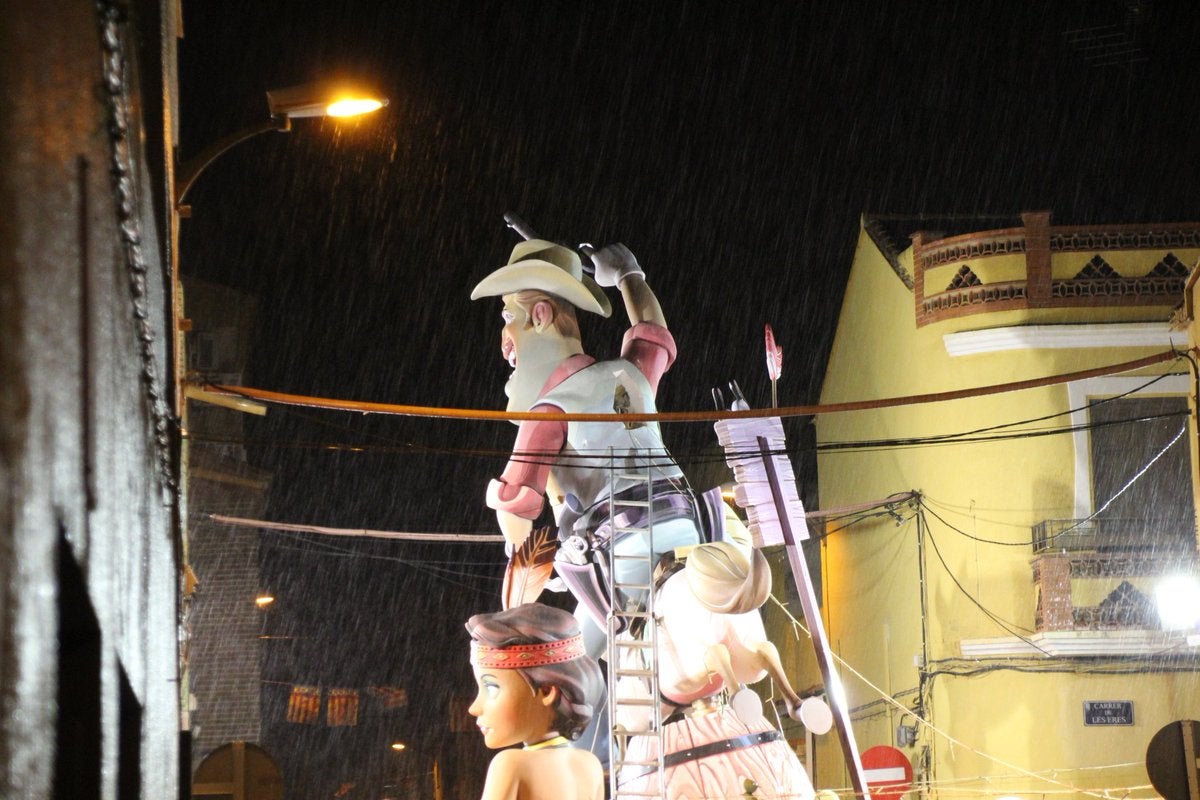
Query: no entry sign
(888, 772)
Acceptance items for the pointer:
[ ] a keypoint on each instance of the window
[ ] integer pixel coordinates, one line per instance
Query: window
(1153, 509)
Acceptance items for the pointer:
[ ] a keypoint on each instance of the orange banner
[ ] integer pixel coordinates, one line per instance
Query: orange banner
(304, 705)
(342, 707)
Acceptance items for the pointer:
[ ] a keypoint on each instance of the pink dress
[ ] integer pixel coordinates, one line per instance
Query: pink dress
(758, 752)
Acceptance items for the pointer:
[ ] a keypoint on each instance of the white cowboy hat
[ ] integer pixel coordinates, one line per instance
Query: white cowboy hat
(548, 267)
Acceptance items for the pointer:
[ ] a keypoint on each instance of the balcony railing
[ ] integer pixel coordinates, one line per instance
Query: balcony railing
(1040, 244)
(1114, 535)
(1126, 555)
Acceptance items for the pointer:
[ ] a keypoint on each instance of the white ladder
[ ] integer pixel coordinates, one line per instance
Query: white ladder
(632, 602)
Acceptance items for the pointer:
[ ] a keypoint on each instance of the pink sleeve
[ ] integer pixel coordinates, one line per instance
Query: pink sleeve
(521, 488)
(651, 348)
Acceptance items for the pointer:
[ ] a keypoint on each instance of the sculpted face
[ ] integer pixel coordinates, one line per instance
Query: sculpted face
(515, 321)
(532, 348)
(508, 711)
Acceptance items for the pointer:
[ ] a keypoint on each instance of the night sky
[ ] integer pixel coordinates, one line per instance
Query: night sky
(733, 147)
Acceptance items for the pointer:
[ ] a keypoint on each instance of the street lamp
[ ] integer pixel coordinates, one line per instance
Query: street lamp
(324, 99)
(311, 100)
(320, 99)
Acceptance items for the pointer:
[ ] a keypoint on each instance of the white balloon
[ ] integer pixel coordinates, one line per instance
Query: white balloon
(747, 705)
(816, 716)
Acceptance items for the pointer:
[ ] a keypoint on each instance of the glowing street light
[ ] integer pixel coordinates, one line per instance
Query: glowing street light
(322, 100)
(1178, 601)
(325, 99)
(294, 102)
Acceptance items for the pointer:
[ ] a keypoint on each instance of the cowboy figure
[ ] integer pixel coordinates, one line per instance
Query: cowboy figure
(568, 463)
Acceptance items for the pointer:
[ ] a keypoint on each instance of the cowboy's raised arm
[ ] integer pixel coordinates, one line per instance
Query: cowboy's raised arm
(617, 266)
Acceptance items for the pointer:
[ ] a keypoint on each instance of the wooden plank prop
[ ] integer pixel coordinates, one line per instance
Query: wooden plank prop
(766, 489)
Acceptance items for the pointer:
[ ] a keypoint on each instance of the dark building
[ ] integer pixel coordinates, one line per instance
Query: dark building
(89, 689)
(223, 627)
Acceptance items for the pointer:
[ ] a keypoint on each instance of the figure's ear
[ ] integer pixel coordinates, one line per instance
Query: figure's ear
(548, 695)
(542, 315)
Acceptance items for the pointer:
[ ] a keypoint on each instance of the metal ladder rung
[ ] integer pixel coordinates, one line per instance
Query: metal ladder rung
(637, 701)
(638, 732)
(638, 763)
(635, 673)
(636, 644)
(632, 503)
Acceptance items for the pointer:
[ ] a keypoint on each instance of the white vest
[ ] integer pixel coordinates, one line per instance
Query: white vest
(582, 466)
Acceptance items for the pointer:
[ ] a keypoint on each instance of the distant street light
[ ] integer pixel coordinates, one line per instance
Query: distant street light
(1178, 601)
(293, 102)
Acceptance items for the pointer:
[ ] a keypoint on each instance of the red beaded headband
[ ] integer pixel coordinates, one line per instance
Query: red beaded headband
(520, 656)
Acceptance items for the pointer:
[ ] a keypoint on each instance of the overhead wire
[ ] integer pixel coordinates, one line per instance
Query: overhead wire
(542, 458)
(365, 407)
(1007, 626)
(971, 536)
(420, 565)
(887, 698)
(1145, 468)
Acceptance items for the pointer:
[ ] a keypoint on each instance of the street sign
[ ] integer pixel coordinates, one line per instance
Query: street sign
(1107, 712)
(888, 772)
(1172, 760)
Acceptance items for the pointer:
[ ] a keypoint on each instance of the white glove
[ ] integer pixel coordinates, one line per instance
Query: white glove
(614, 264)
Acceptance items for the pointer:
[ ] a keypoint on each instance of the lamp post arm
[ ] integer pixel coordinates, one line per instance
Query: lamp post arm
(188, 172)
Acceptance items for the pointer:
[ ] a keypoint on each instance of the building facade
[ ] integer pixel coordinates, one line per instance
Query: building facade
(89, 684)
(997, 620)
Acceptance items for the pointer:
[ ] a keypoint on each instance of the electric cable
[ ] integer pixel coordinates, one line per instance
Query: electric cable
(1007, 626)
(1122, 490)
(543, 458)
(934, 729)
(364, 407)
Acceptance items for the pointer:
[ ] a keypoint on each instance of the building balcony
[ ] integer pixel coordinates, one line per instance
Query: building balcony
(1109, 535)
(1093, 583)
(1043, 266)
(1098, 574)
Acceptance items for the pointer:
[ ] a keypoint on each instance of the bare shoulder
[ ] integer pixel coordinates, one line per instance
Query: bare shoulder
(507, 767)
(590, 773)
(583, 759)
(509, 759)
(503, 776)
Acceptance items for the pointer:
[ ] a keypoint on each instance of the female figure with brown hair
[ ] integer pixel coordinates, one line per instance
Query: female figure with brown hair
(536, 687)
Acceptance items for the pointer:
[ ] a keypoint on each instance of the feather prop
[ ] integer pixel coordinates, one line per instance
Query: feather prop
(774, 355)
(529, 569)
(774, 363)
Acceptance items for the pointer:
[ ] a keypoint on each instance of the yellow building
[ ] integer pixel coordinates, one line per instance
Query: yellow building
(1001, 625)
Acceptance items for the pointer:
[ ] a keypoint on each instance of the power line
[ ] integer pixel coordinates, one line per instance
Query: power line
(364, 407)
